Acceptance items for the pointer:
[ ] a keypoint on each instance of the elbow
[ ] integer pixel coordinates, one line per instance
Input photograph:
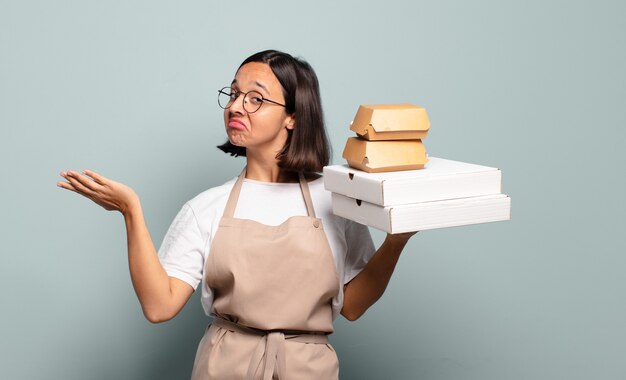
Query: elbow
(157, 316)
(154, 319)
(351, 315)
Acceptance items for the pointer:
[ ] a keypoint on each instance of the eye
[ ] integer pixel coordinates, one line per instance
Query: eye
(234, 94)
(255, 98)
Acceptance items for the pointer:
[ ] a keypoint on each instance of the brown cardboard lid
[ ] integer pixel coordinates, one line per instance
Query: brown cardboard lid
(390, 118)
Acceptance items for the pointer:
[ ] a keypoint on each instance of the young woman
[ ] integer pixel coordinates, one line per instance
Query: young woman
(275, 265)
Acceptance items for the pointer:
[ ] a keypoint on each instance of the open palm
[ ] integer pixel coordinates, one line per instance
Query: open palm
(107, 193)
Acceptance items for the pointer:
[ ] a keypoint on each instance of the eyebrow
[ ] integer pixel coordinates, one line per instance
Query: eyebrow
(262, 86)
(255, 82)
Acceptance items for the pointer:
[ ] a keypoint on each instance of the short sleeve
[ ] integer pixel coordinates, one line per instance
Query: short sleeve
(360, 248)
(181, 250)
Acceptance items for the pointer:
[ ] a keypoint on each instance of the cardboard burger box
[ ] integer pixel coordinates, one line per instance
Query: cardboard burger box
(384, 156)
(424, 215)
(439, 180)
(376, 122)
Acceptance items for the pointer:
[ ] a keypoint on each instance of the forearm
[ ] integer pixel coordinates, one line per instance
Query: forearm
(151, 282)
(370, 284)
(160, 296)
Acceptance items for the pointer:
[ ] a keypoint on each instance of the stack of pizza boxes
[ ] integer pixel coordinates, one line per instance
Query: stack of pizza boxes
(390, 183)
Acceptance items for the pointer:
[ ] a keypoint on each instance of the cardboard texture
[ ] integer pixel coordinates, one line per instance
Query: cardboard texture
(440, 179)
(391, 122)
(384, 156)
(424, 215)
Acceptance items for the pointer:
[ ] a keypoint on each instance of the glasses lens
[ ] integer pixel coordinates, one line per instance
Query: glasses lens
(252, 102)
(225, 97)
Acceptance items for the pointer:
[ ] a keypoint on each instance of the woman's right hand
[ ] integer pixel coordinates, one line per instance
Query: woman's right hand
(107, 193)
(161, 297)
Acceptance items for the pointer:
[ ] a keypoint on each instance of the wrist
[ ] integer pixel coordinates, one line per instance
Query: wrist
(131, 209)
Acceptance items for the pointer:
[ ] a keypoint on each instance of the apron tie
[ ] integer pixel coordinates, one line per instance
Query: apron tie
(272, 348)
(270, 351)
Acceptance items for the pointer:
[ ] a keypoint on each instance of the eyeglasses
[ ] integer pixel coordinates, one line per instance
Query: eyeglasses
(252, 100)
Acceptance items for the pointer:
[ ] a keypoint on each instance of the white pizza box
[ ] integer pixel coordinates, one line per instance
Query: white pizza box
(424, 215)
(439, 179)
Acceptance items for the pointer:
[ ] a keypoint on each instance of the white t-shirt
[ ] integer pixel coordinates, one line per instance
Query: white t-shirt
(188, 240)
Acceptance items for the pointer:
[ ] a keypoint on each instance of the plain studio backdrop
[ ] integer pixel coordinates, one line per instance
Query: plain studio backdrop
(128, 89)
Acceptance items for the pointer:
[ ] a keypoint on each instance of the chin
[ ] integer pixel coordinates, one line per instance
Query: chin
(237, 140)
(237, 144)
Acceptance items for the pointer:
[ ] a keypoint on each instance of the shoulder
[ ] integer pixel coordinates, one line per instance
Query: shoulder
(317, 187)
(322, 199)
(211, 199)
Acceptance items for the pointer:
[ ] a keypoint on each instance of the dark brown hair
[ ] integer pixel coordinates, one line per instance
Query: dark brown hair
(307, 148)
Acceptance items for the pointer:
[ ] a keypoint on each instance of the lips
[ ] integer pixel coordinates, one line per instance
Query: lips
(236, 124)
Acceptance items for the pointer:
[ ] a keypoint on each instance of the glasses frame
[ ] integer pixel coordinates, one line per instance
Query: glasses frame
(238, 93)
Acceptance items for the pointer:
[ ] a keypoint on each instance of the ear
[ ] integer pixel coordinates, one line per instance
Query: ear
(290, 122)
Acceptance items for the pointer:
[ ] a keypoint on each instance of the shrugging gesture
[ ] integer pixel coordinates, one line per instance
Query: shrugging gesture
(161, 297)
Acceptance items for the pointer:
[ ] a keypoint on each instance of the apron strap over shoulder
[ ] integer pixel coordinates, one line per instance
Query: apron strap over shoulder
(231, 204)
(307, 195)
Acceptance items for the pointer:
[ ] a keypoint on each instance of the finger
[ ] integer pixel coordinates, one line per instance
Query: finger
(66, 186)
(78, 185)
(84, 181)
(95, 176)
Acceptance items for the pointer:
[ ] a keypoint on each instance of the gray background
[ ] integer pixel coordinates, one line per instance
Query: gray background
(536, 88)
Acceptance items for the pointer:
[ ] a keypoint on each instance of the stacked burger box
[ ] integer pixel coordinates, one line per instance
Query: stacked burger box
(390, 183)
(389, 138)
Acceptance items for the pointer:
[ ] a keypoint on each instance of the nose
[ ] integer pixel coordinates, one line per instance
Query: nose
(237, 105)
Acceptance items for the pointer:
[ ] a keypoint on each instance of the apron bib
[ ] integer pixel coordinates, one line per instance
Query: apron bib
(273, 287)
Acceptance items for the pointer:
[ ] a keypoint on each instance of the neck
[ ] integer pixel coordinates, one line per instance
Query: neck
(265, 168)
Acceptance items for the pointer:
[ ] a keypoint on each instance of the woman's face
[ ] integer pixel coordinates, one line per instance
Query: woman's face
(265, 129)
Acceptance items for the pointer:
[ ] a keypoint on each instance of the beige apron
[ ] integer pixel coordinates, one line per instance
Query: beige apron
(273, 288)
